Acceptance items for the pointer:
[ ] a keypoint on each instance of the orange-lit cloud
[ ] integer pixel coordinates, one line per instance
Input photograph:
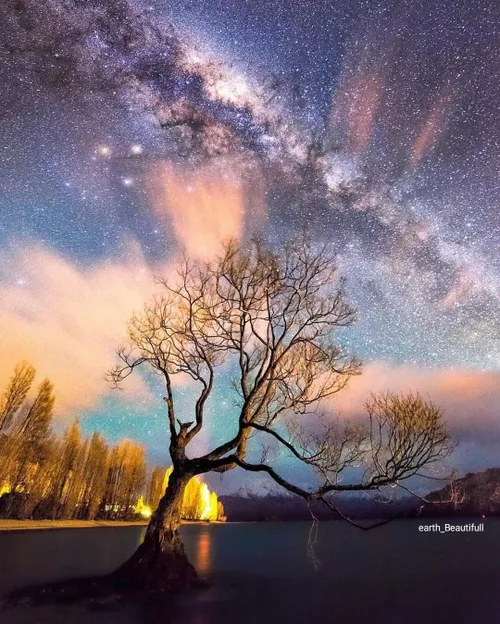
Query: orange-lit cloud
(67, 321)
(204, 206)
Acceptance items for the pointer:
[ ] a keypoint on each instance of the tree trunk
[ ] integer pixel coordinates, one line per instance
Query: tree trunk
(160, 563)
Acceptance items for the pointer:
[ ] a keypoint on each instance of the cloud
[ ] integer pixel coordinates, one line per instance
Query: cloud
(470, 398)
(205, 205)
(68, 320)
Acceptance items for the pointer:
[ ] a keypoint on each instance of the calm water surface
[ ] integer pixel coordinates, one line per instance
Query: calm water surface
(279, 572)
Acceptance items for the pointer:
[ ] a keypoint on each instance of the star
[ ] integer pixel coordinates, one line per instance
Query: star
(104, 150)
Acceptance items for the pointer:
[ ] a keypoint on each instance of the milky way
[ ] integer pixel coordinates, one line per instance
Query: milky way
(373, 126)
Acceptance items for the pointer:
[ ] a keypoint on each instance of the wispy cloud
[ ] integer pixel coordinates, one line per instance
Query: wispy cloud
(470, 399)
(68, 320)
(205, 205)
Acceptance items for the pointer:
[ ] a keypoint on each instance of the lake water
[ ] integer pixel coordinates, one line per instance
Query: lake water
(280, 572)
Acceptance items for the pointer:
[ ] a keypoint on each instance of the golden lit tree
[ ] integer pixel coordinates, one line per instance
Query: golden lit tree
(191, 499)
(15, 394)
(68, 484)
(94, 474)
(198, 503)
(272, 319)
(155, 488)
(220, 512)
(126, 476)
(12, 409)
(26, 438)
(31, 434)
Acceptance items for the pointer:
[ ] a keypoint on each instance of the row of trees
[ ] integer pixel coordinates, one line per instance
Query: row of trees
(72, 477)
(76, 477)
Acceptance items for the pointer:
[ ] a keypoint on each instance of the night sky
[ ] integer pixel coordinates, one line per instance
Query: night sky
(130, 131)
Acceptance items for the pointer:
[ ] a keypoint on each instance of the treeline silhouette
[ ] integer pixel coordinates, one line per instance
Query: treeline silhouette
(71, 477)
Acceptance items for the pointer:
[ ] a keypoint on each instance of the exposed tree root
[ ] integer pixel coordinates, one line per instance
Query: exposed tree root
(145, 577)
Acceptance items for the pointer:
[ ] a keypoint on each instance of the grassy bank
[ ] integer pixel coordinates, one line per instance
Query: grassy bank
(37, 525)
(29, 525)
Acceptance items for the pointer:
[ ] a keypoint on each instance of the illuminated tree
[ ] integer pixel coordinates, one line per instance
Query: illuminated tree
(31, 434)
(155, 489)
(220, 512)
(26, 438)
(15, 394)
(269, 320)
(13, 407)
(126, 476)
(198, 503)
(191, 502)
(94, 477)
(67, 482)
(214, 507)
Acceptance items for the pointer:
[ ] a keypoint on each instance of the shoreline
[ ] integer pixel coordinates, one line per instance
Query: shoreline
(7, 526)
(41, 525)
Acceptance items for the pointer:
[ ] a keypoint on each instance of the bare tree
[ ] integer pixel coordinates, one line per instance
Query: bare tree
(267, 319)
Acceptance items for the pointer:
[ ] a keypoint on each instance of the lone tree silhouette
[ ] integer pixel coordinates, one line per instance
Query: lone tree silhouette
(268, 319)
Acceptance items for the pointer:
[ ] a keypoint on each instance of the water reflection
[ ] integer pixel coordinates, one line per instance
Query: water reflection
(200, 552)
(202, 557)
(203, 561)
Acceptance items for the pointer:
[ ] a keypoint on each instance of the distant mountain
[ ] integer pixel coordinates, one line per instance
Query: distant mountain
(269, 508)
(475, 494)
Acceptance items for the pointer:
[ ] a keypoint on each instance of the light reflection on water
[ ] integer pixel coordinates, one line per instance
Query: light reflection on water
(202, 556)
(203, 562)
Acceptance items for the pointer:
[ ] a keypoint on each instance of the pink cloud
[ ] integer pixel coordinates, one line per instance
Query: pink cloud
(205, 205)
(470, 398)
(68, 320)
